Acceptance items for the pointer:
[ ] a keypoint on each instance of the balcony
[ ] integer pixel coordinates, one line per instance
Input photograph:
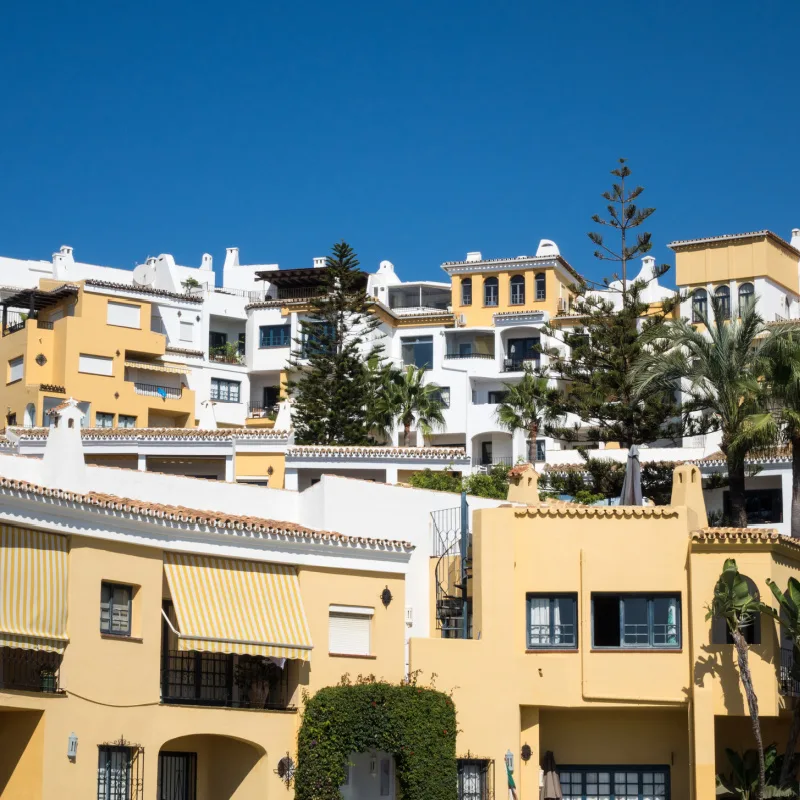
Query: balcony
(154, 390)
(29, 670)
(493, 461)
(788, 685)
(260, 411)
(299, 292)
(520, 365)
(226, 355)
(486, 356)
(15, 321)
(224, 680)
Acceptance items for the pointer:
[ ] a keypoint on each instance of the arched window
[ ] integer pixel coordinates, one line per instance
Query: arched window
(723, 295)
(518, 290)
(720, 632)
(490, 287)
(541, 283)
(747, 297)
(699, 305)
(466, 292)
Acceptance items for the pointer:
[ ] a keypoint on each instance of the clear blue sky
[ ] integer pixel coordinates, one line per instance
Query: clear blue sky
(416, 131)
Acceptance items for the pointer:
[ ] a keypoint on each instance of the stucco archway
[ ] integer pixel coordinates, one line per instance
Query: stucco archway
(211, 767)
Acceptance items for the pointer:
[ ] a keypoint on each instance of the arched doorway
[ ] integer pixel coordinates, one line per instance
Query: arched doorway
(211, 767)
(30, 416)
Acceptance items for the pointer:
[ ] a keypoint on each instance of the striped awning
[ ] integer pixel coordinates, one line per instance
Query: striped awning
(224, 605)
(159, 366)
(33, 589)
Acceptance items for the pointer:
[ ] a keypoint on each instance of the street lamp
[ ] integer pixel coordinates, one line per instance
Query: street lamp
(509, 761)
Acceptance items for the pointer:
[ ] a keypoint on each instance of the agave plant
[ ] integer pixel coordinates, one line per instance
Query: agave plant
(733, 602)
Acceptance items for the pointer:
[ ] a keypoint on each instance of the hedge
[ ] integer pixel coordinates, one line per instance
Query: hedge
(415, 723)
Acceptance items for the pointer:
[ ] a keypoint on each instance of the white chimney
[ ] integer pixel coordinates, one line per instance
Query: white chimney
(475, 255)
(320, 261)
(207, 262)
(795, 238)
(231, 258)
(63, 466)
(547, 247)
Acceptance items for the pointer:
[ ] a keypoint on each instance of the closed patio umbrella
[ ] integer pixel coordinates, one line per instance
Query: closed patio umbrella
(631, 494)
(551, 785)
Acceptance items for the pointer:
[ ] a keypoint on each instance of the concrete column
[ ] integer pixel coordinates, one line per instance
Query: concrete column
(290, 479)
(141, 462)
(786, 498)
(230, 475)
(704, 768)
(391, 474)
(528, 772)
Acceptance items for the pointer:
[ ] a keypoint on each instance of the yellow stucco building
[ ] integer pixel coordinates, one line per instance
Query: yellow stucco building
(590, 641)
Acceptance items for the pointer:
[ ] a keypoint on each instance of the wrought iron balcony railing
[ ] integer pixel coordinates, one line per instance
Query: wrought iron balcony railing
(788, 685)
(153, 390)
(29, 670)
(470, 355)
(220, 679)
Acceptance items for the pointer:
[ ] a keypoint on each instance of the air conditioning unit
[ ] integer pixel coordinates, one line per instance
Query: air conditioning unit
(562, 304)
(462, 319)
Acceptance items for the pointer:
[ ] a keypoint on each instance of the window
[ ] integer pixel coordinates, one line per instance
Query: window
(316, 337)
(614, 783)
(552, 621)
(225, 391)
(490, 291)
(518, 290)
(442, 395)
(466, 292)
(95, 365)
(349, 630)
(115, 609)
(763, 506)
(474, 779)
(521, 350)
(104, 420)
(274, 336)
(498, 396)
(699, 305)
(417, 350)
(16, 369)
(636, 621)
(540, 282)
(126, 421)
(747, 297)
(241, 344)
(187, 331)
(124, 315)
(540, 450)
(217, 340)
(120, 772)
(723, 295)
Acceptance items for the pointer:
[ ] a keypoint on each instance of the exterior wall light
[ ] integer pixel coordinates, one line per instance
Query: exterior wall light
(525, 754)
(72, 747)
(509, 761)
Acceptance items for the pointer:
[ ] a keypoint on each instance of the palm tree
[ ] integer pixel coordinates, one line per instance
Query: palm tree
(780, 423)
(380, 375)
(407, 399)
(789, 620)
(718, 371)
(733, 602)
(529, 405)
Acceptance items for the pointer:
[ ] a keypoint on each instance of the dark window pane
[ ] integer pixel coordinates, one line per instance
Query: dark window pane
(606, 621)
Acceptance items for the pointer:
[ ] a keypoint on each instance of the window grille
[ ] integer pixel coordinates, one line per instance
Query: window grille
(120, 771)
(475, 779)
(614, 783)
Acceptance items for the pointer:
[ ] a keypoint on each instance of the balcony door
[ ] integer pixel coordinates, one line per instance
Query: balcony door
(177, 776)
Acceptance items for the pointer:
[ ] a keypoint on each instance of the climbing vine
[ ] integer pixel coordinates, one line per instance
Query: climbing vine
(417, 724)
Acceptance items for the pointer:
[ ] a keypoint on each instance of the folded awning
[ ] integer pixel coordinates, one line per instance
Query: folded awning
(159, 366)
(33, 589)
(224, 605)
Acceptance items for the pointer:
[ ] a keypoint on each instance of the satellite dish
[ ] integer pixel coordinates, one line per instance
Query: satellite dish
(145, 274)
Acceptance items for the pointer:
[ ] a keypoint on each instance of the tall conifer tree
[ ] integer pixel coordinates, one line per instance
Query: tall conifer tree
(338, 338)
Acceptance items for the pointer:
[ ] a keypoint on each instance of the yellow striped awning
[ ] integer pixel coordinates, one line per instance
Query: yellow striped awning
(33, 589)
(224, 605)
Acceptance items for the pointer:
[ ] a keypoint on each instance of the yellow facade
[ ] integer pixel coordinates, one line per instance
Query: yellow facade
(112, 686)
(558, 296)
(674, 707)
(258, 465)
(736, 259)
(52, 345)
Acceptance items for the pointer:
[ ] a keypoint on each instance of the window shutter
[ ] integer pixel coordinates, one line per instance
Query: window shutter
(187, 331)
(123, 315)
(95, 365)
(16, 369)
(349, 633)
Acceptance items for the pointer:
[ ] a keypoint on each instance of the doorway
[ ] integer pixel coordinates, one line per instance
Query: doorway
(177, 776)
(370, 776)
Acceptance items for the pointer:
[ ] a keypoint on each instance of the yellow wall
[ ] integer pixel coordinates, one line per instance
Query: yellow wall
(87, 332)
(21, 754)
(739, 259)
(113, 685)
(479, 315)
(250, 464)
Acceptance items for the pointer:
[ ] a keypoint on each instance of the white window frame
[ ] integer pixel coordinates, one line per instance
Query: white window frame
(96, 365)
(360, 619)
(124, 315)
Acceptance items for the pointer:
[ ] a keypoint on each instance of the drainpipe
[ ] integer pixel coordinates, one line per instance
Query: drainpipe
(464, 552)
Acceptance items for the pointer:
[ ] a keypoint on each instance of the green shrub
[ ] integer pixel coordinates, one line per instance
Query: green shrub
(415, 723)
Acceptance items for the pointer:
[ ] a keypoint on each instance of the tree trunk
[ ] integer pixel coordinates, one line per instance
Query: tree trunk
(533, 432)
(796, 488)
(752, 704)
(736, 492)
(406, 432)
(791, 745)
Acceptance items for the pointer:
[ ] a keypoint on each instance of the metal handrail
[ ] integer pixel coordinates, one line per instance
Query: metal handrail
(154, 390)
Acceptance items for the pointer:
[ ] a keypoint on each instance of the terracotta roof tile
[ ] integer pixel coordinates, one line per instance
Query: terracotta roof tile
(132, 287)
(726, 237)
(158, 512)
(574, 511)
(774, 454)
(743, 536)
(159, 434)
(519, 469)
